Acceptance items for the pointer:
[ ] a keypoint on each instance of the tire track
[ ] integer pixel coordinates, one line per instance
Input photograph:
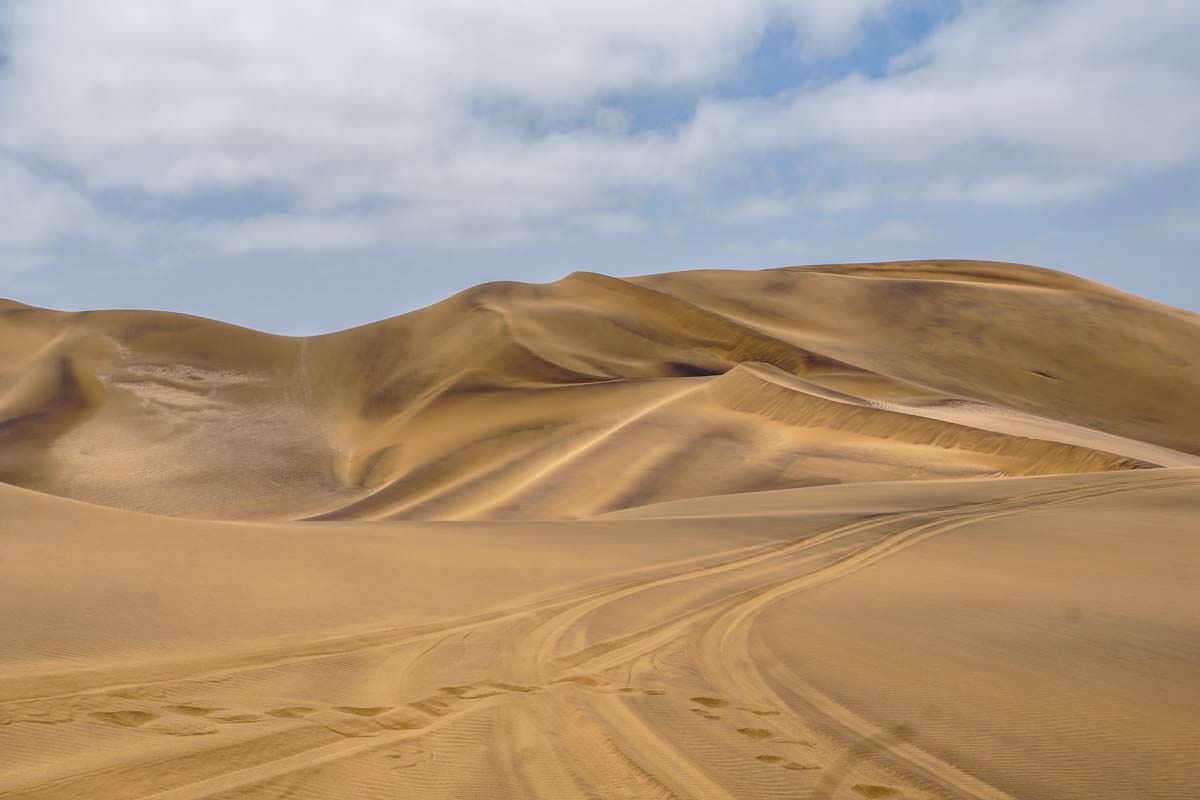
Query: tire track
(728, 663)
(720, 627)
(58, 686)
(543, 643)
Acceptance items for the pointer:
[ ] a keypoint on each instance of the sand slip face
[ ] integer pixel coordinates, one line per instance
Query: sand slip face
(912, 530)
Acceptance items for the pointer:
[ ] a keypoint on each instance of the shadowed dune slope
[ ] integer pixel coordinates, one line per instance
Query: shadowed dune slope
(594, 393)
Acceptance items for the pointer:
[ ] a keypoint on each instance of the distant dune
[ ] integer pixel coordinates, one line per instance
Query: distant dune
(897, 530)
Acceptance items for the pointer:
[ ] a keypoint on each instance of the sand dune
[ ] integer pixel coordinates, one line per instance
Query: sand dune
(517, 400)
(906, 530)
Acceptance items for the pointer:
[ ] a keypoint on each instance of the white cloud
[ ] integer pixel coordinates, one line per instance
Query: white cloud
(614, 223)
(831, 26)
(1102, 89)
(285, 232)
(1015, 189)
(457, 123)
(169, 98)
(39, 211)
(760, 208)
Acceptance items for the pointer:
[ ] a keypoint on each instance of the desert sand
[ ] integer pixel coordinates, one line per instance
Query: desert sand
(901, 530)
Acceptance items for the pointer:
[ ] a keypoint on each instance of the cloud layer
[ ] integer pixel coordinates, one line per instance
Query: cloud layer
(323, 127)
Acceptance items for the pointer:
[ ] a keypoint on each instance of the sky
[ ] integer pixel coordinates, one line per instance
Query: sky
(309, 165)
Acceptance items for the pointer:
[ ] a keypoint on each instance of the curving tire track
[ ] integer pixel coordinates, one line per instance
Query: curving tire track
(589, 738)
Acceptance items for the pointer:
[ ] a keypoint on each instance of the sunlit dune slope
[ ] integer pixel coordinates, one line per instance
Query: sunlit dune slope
(594, 393)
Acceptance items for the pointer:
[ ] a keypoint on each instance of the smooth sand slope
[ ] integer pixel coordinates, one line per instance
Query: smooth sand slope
(911, 530)
(1026, 637)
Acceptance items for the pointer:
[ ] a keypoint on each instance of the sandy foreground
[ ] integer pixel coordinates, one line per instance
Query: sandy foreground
(907, 530)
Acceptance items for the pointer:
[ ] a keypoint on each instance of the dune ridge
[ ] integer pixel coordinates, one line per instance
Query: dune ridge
(531, 392)
(775, 395)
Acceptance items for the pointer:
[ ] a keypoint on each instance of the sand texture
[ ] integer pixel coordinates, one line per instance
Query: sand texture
(902, 530)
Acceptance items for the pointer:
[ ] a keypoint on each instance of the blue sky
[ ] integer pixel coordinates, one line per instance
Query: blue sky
(313, 165)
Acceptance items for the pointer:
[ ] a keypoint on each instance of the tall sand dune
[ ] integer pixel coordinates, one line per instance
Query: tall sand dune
(593, 393)
(912, 530)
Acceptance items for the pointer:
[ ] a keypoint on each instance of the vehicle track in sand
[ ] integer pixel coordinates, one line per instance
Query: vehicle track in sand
(623, 713)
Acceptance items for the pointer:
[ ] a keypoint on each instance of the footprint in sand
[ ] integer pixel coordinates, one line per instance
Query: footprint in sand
(190, 711)
(187, 722)
(584, 680)
(486, 689)
(181, 726)
(363, 711)
(755, 733)
(511, 687)
(361, 721)
(343, 724)
(408, 755)
(710, 702)
(872, 790)
(762, 713)
(435, 706)
(358, 721)
(238, 719)
(768, 758)
(291, 712)
(126, 718)
(401, 720)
